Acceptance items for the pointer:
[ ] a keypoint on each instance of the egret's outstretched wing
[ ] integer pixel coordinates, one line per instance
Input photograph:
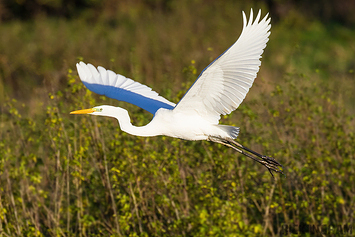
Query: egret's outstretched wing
(222, 86)
(116, 86)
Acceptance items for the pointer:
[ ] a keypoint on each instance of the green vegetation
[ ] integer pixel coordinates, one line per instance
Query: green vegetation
(64, 175)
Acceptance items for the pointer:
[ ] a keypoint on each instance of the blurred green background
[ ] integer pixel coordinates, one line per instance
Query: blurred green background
(65, 175)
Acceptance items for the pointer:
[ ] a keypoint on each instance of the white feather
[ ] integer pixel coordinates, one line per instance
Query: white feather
(222, 87)
(89, 74)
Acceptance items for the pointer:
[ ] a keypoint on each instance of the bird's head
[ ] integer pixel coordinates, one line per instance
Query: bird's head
(103, 110)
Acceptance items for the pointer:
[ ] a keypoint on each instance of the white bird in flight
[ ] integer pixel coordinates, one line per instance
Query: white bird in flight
(220, 89)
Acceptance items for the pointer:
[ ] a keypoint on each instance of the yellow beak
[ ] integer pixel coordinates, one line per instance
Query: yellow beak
(83, 111)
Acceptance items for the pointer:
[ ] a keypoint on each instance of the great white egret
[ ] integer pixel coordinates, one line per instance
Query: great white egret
(219, 90)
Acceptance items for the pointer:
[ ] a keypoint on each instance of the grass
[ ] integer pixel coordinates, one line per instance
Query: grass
(65, 175)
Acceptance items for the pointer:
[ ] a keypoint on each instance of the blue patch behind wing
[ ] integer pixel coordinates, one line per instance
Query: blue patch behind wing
(141, 101)
(212, 62)
(203, 72)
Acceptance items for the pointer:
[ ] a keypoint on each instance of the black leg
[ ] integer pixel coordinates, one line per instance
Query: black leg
(270, 163)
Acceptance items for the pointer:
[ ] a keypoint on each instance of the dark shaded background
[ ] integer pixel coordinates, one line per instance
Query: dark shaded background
(326, 10)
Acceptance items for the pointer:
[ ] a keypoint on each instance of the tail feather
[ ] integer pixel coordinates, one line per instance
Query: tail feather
(233, 132)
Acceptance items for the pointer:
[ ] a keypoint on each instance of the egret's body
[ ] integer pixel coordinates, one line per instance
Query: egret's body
(169, 123)
(219, 90)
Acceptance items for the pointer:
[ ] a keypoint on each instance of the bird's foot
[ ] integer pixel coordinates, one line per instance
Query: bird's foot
(272, 165)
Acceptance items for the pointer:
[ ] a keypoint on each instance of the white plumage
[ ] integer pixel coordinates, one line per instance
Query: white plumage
(222, 86)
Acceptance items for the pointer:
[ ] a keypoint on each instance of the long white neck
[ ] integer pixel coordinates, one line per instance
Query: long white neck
(124, 121)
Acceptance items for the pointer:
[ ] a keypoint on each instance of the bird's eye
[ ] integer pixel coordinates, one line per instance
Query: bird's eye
(100, 109)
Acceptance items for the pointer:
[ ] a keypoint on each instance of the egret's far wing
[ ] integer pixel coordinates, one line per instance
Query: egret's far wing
(116, 86)
(222, 86)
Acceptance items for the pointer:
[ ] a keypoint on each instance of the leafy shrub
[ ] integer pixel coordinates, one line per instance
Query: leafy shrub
(82, 175)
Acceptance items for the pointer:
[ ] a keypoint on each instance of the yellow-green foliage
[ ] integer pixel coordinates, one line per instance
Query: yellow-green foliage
(65, 175)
